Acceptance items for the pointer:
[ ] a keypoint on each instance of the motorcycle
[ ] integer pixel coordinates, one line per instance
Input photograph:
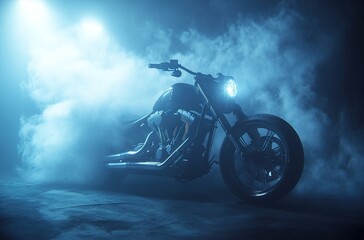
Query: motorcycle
(261, 158)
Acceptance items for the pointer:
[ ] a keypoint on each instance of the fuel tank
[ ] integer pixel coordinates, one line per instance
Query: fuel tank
(179, 96)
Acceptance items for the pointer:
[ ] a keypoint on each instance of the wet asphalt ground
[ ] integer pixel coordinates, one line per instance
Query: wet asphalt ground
(33, 211)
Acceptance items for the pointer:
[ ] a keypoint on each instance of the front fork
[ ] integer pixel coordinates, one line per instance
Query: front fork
(229, 130)
(240, 116)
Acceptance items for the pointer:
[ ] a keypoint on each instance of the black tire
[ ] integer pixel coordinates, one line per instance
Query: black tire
(274, 160)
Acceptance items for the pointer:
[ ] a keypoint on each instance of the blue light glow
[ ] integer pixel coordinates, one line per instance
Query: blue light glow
(91, 28)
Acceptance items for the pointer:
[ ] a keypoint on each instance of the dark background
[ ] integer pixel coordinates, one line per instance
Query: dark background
(337, 83)
(331, 31)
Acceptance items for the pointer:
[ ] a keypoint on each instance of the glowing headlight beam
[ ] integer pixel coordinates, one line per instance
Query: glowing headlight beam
(230, 87)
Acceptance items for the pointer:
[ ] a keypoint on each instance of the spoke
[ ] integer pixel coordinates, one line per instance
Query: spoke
(268, 140)
(276, 156)
(273, 155)
(276, 149)
(277, 170)
(242, 141)
(254, 135)
(252, 177)
(279, 159)
(244, 144)
(264, 179)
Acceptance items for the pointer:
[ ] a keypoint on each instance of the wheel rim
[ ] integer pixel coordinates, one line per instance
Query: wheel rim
(262, 164)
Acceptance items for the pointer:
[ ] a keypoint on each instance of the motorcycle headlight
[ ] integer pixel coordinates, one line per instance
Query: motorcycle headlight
(230, 88)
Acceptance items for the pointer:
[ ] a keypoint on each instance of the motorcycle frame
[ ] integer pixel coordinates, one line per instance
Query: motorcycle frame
(206, 126)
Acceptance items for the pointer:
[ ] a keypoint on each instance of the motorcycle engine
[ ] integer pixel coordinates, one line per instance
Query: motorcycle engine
(172, 129)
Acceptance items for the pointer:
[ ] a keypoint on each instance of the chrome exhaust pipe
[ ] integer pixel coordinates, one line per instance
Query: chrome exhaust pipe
(131, 154)
(151, 167)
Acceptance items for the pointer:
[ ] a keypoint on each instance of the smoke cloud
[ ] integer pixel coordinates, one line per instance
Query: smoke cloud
(85, 86)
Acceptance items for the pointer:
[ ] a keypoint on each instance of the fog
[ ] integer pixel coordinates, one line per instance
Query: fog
(85, 80)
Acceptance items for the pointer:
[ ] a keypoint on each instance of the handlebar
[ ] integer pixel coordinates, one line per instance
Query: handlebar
(162, 66)
(172, 65)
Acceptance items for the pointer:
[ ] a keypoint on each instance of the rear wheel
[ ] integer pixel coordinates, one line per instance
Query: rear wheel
(270, 163)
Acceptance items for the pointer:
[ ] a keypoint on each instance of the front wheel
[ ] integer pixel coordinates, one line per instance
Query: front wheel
(269, 163)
